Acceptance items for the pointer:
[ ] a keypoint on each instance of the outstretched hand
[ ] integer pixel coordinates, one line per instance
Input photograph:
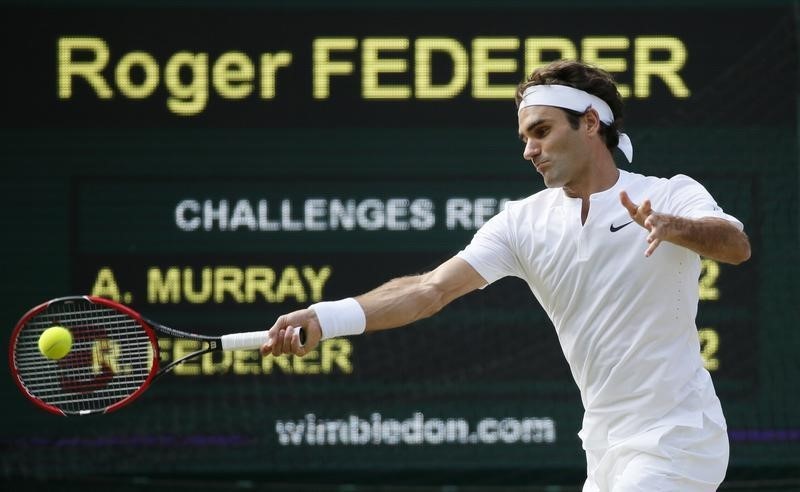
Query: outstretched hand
(284, 336)
(656, 223)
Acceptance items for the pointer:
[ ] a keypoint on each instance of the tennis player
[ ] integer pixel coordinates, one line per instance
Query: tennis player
(614, 259)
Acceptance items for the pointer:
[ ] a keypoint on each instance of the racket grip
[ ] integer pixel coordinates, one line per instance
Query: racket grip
(251, 340)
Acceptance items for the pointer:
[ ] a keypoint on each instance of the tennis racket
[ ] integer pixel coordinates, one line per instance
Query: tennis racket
(113, 359)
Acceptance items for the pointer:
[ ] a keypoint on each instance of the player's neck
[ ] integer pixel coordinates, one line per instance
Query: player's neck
(601, 174)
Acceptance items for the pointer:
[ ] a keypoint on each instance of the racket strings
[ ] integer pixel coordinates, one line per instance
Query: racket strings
(110, 359)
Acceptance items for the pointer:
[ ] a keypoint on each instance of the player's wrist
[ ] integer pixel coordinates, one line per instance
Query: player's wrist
(340, 318)
(673, 227)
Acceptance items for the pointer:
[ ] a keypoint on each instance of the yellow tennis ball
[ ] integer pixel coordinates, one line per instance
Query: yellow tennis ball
(55, 342)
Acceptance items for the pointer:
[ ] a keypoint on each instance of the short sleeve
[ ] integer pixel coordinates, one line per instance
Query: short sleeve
(690, 199)
(491, 252)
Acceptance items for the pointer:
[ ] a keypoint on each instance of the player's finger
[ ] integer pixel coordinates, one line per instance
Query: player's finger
(273, 331)
(266, 348)
(272, 335)
(271, 340)
(286, 346)
(277, 343)
(645, 209)
(652, 247)
(627, 203)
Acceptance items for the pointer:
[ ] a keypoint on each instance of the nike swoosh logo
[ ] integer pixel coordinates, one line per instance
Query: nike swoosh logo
(615, 229)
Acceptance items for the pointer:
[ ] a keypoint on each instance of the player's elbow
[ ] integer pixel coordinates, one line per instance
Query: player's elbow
(741, 252)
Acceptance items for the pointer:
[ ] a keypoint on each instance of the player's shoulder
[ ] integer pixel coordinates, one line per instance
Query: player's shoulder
(663, 192)
(634, 181)
(644, 181)
(682, 180)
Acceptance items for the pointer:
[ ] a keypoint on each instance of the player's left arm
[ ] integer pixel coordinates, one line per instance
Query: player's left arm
(711, 237)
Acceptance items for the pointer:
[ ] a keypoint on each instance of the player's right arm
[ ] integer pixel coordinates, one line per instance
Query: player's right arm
(399, 302)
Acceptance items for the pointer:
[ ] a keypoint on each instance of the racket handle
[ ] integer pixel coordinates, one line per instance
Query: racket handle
(252, 340)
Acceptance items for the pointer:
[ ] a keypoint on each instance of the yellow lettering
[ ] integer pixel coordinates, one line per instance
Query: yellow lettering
(591, 48)
(164, 348)
(331, 355)
(281, 361)
(324, 68)
(709, 346)
(89, 70)
(191, 295)
(210, 366)
(246, 362)
(316, 280)
(181, 348)
(123, 75)
(223, 284)
(232, 75)
(228, 279)
(667, 70)
(336, 351)
(187, 99)
(709, 272)
(270, 63)
(259, 280)
(105, 285)
(307, 364)
(290, 285)
(483, 65)
(105, 355)
(535, 47)
(494, 60)
(423, 83)
(163, 289)
(373, 64)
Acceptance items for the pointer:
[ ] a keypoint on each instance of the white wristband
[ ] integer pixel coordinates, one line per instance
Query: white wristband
(340, 318)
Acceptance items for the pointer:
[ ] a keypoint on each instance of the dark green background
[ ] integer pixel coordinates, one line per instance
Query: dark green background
(92, 183)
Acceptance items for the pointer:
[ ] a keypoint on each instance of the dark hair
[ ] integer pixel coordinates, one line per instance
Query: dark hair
(587, 78)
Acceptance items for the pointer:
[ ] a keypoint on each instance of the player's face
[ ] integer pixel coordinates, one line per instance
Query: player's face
(557, 151)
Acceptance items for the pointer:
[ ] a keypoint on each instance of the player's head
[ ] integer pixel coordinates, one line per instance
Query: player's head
(592, 80)
(569, 120)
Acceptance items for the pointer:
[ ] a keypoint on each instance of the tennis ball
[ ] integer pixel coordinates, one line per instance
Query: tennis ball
(55, 342)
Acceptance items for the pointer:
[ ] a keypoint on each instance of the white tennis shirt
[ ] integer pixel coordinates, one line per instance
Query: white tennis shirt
(626, 323)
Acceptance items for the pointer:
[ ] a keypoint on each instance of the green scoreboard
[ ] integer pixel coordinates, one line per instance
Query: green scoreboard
(218, 165)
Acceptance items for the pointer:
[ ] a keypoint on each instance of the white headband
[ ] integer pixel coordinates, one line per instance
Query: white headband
(562, 96)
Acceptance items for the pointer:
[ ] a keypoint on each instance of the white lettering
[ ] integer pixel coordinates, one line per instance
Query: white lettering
(181, 221)
(218, 214)
(332, 214)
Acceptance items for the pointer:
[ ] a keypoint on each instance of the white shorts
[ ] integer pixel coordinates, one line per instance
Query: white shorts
(676, 458)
